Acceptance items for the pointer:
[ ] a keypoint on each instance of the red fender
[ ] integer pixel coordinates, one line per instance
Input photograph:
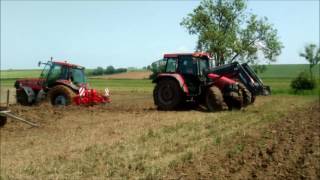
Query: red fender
(221, 81)
(177, 77)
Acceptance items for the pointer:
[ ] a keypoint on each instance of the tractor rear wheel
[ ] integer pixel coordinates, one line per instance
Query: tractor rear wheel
(61, 95)
(167, 94)
(246, 94)
(214, 99)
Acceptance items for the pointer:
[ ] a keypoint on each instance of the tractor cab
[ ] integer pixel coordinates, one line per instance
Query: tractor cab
(62, 72)
(191, 67)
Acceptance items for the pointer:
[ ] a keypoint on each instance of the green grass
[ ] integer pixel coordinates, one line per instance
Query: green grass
(288, 70)
(14, 74)
(141, 85)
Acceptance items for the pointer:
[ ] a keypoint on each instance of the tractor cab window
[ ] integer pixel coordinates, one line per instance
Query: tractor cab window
(55, 72)
(45, 71)
(77, 76)
(171, 65)
(203, 65)
(188, 65)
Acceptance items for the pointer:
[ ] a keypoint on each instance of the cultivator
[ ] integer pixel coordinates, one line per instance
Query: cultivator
(91, 97)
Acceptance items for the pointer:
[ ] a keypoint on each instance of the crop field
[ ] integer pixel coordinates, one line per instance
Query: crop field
(277, 137)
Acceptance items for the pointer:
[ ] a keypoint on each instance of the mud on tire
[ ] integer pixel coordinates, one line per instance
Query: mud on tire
(246, 94)
(167, 94)
(214, 100)
(61, 95)
(234, 100)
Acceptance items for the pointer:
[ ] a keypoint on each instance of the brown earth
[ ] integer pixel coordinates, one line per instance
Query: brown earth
(286, 149)
(68, 141)
(128, 75)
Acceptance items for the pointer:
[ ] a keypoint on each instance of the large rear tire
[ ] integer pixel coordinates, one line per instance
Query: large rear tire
(167, 94)
(214, 100)
(61, 95)
(246, 95)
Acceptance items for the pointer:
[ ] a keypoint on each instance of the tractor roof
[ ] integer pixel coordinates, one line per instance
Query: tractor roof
(195, 54)
(65, 63)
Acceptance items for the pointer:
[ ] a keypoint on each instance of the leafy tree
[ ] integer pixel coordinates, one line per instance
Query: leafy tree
(109, 70)
(230, 33)
(98, 71)
(312, 55)
(259, 68)
(120, 70)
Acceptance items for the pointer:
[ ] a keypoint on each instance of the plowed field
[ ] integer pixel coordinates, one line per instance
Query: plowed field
(277, 137)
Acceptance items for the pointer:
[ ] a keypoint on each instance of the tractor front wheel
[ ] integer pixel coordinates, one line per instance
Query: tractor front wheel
(246, 94)
(3, 120)
(22, 98)
(167, 95)
(61, 95)
(234, 100)
(214, 99)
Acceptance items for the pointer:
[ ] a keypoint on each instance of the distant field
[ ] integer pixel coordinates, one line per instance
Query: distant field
(13, 74)
(128, 75)
(277, 76)
(288, 70)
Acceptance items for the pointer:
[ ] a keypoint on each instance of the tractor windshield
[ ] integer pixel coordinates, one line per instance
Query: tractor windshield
(78, 76)
(45, 71)
(203, 65)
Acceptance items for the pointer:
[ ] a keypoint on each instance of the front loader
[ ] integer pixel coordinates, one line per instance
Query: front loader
(250, 83)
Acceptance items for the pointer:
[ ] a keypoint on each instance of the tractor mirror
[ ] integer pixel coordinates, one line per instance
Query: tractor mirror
(39, 63)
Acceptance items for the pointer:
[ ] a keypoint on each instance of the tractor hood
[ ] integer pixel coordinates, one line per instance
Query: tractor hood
(34, 83)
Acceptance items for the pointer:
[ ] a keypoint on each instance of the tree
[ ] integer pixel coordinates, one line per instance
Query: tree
(110, 70)
(229, 33)
(312, 55)
(98, 71)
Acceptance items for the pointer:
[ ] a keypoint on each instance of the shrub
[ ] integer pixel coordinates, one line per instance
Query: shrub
(303, 82)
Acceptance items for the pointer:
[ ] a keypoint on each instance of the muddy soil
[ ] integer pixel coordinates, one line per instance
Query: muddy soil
(289, 148)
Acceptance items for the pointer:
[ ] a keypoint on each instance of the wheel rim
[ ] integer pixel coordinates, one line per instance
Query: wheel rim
(60, 100)
(166, 93)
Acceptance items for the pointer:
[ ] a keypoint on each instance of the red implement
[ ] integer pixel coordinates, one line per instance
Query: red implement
(91, 97)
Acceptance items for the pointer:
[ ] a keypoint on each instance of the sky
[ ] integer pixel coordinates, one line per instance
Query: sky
(130, 33)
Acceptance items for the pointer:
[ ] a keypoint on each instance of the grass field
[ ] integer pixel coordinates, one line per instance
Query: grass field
(276, 76)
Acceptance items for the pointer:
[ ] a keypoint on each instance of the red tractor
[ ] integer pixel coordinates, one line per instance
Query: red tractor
(63, 83)
(184, 77)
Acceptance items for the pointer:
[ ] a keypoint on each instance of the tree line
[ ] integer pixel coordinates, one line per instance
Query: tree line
(108, 70)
